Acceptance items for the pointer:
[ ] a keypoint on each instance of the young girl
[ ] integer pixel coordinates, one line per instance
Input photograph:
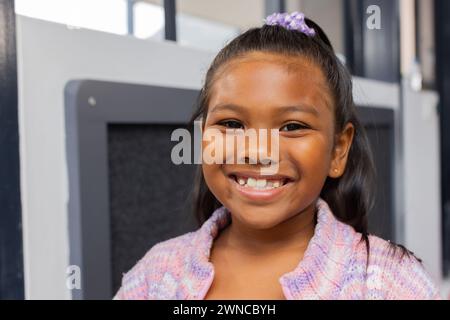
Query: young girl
(300, 233)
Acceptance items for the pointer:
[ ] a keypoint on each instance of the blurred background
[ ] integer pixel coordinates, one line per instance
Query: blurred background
(91, 91)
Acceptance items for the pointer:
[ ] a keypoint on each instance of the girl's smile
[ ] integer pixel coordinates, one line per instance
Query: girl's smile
(259, 188)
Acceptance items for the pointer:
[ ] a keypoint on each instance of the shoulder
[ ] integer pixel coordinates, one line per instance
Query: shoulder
(152, 266)
(393, 274)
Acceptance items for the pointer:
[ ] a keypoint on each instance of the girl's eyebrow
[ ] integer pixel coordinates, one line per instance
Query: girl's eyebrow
(280, 110)
(228, 106)
(300, 108)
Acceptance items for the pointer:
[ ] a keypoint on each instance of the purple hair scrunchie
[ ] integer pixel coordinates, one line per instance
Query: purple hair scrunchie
(293, 21)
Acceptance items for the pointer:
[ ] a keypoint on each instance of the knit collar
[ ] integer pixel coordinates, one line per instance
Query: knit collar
(317, 276)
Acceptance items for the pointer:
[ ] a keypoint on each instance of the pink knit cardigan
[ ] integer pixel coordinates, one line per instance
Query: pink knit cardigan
(333, 267)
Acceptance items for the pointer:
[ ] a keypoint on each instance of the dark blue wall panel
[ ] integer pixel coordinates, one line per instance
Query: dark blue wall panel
(11, 261)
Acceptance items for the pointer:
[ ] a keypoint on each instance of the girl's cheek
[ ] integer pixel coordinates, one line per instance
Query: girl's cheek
(309, 154)
(216, 181)
(214, 146)
(220, 148)
(212, 157)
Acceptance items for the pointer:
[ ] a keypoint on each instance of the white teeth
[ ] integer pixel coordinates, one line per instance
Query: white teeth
(262, 184)
(251, 182)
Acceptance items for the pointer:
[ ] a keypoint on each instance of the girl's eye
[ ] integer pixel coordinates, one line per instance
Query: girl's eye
(232, 124)
(293, 127)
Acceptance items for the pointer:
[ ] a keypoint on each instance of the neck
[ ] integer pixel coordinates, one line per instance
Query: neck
(293, 233)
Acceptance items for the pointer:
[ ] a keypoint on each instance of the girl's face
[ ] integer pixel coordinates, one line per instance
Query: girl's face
(269, 91)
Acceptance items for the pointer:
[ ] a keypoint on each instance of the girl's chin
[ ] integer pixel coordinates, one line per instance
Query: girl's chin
(258, 218)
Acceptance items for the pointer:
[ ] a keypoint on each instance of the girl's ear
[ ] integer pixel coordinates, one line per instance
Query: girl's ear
(341, 150)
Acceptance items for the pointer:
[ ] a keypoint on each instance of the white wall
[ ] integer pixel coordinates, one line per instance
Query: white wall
(49, 55)
(422, 188)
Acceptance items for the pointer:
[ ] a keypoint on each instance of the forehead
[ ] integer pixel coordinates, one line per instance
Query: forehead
(266, 78)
